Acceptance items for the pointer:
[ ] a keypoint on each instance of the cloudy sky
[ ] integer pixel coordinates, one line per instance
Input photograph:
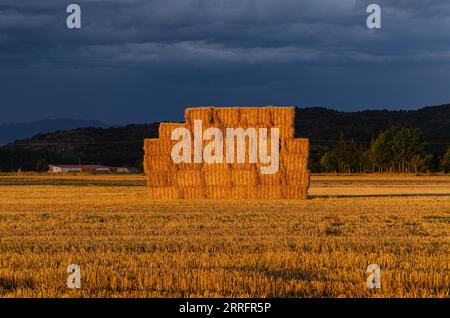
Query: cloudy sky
(146, 60)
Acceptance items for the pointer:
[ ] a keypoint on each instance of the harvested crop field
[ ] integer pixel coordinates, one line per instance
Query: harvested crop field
(129, 246)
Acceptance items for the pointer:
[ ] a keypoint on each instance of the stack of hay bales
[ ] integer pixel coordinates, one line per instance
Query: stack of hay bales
(169, 181)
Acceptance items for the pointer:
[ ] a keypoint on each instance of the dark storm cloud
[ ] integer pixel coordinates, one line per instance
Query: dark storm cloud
(223, 51)
(224, 31)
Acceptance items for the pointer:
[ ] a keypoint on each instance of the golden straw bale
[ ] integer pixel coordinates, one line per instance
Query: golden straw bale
(215, 166)
(256, 117)
(158, 163)
(298, 180)
(189, 166)
(243, 166)
(228, 116)
(218, 177)
(205, 114)
(159, 178)
(188, 178)
(147, 165)
(242, 192)
(165, 129)
(169, 193)
(286, 132)
(295, 178)
(215, 192)
(269, 179)
(169, 181)
(192, 193)
(152, 193)
(294, 162)
(243, 177)
(156, 146)
(297, 146)
(164, 193)
(249, 116)
(268, 192)
(151, 146)
(295, 193)
(265, 116)
(283, 116)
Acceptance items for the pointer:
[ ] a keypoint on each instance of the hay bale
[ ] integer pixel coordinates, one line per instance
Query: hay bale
(192, 193)
(188, 178)
(283, 118)
(243, 177)
(268, 192)
(165, 130)
(265, 117)
(146, 164)
(296, 146)
(249, 116)
(242, 192)
(169, 181)
(151, 146)
(156, 146)
(205, 114)
(164, 193)
(269, 179)
(189, 166)
(297, 178)
(159, 178)
(294, 193)
(158, 162)
(294, 162)
(218, 177)
(228, 117)
(215, 166)
(215, 192)
(287, 132)
(243, 166)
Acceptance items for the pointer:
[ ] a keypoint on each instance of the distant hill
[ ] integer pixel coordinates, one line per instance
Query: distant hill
(322, 124)
(109, 146)
(123, 145)
(11, 132)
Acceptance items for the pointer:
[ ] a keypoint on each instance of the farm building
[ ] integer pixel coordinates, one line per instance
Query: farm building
(86, 168)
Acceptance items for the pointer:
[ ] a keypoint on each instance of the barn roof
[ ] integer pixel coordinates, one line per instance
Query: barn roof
(79, 166)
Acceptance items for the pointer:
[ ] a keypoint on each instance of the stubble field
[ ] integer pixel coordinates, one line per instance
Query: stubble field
(129, 246)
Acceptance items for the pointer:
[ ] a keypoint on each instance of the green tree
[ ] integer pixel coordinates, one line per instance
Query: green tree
(445, 161)
(346, 157)
(408, 144)
(398, 149)
(329, 162)
(381, 150)
(315, 155)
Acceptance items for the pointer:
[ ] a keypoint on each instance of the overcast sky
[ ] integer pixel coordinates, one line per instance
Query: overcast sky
(146, 60)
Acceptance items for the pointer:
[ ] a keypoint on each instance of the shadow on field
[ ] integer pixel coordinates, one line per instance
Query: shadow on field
(400, 195)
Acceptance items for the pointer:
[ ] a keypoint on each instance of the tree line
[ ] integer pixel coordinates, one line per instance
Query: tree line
(397, 149)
